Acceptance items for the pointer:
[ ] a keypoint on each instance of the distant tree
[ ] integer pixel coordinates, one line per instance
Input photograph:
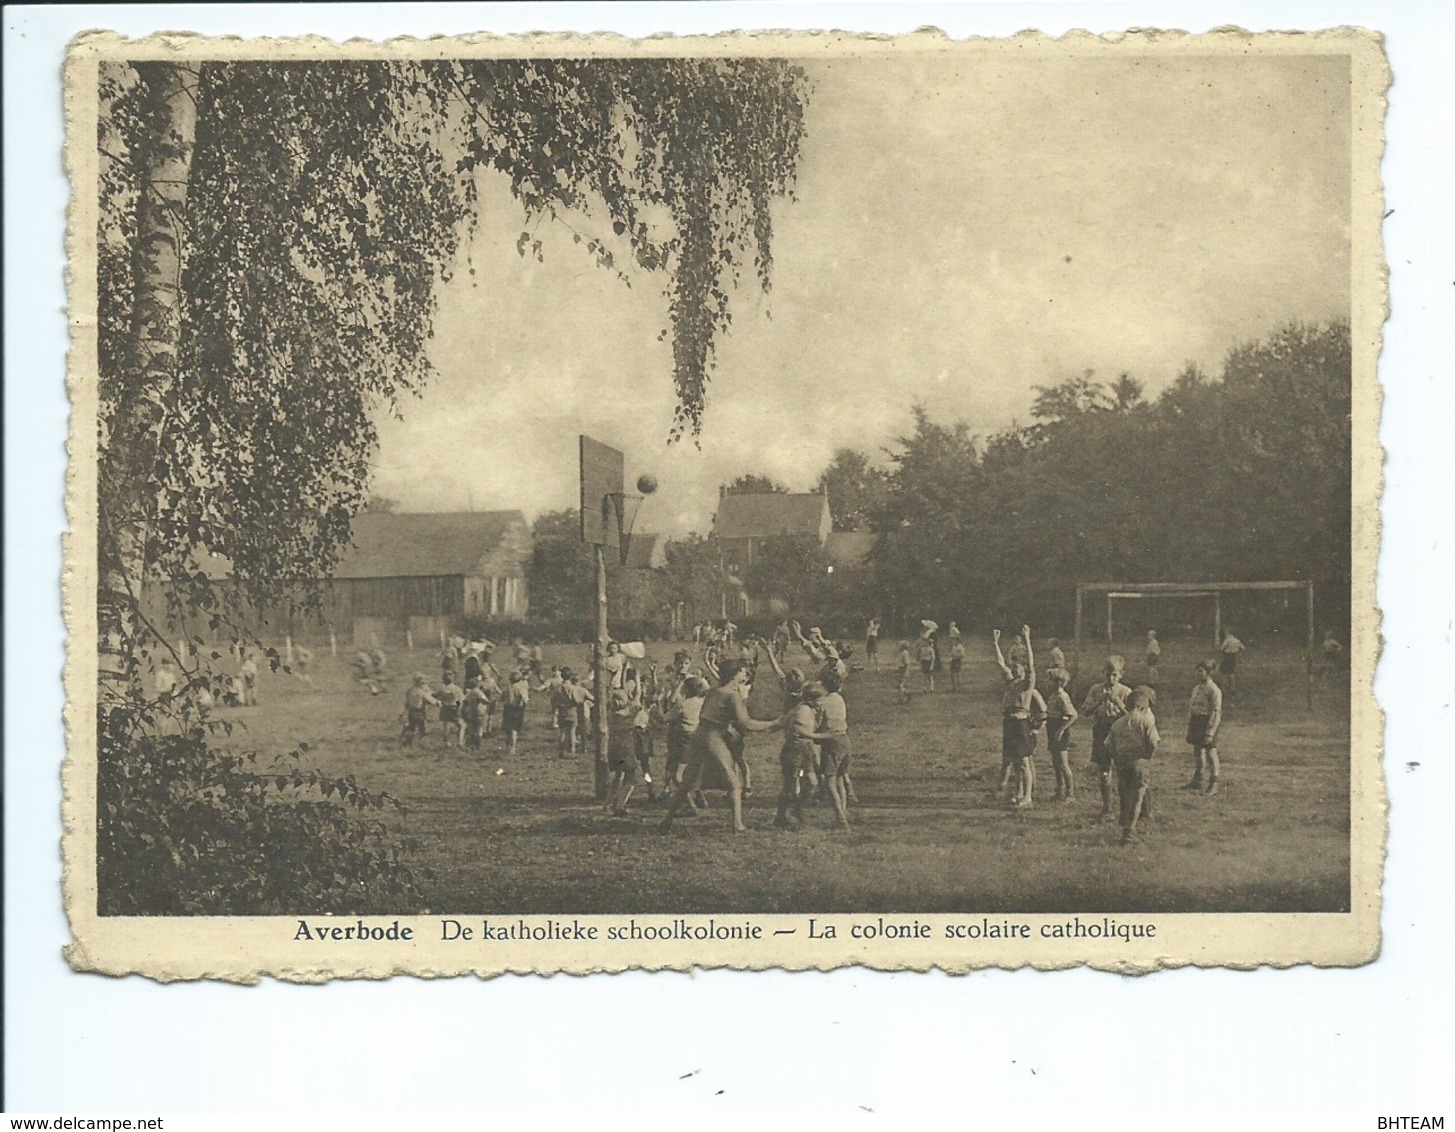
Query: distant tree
(693, 575)
(857, 490)
(1126, 393)
(381, 505)
(750, 483)
(793, 570)
(562, 573)
(1072, 398)
(923, 558)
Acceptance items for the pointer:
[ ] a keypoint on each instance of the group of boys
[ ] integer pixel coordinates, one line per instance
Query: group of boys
(1124, 735)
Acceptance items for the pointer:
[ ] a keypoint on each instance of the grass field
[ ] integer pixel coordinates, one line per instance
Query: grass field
(522, 834)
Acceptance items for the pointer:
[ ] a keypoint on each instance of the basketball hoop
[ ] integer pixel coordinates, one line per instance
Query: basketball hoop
(625, 508)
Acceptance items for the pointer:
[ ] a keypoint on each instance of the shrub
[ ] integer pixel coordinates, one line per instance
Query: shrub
(184, 829)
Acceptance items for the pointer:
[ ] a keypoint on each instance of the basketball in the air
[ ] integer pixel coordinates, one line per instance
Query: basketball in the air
(647, 483)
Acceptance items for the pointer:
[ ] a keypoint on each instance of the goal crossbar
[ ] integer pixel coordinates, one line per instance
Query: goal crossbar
(1125, 591)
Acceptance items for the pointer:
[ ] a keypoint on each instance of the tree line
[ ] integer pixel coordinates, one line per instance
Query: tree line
(1240, 476)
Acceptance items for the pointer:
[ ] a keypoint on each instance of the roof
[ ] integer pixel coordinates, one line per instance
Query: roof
(423, 545)
(849, 548)
(769, 513)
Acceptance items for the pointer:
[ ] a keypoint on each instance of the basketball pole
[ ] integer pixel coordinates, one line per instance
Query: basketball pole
(598, 678)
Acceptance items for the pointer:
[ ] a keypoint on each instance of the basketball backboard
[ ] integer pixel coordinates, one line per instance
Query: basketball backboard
(603, 472)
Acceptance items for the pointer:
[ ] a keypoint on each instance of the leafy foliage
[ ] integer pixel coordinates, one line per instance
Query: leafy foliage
(271, 241)
(857, 490)
(752, 483)
(183, 829)
(1242, 478)
(562, 581)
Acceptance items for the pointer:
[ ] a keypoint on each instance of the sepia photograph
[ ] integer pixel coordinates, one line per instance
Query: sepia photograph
(924, 482)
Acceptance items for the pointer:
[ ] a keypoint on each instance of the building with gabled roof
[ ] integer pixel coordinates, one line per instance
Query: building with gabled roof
(424, 572)
(745, 520)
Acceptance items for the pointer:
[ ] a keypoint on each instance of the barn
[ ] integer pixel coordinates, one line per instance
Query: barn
(423, 573)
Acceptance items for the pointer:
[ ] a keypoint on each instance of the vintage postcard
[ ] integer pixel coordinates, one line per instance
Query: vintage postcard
(571, 504)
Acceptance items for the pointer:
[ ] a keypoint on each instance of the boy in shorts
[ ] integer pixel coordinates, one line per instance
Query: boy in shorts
(1060, 715)
(417, 700)
(1023, 711)
(1154, 655)
(925, 651)
(1131, 743)
(796, 759)
(681, 726)
(831, 732)
(472, 712)
(1105, 703)
(1204, 716)
(957, 662)
(621, 750)
(451, 725)
(902, 672)
(1228, 663)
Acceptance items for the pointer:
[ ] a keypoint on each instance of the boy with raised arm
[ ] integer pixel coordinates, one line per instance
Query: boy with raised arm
(1022, 711)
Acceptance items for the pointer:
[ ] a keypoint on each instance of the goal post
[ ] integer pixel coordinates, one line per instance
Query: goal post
(1114, 592)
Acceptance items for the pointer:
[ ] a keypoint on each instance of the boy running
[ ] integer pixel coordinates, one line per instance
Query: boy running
(1204, 716)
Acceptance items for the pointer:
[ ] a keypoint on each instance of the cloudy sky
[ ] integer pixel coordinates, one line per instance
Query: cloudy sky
(966, 229)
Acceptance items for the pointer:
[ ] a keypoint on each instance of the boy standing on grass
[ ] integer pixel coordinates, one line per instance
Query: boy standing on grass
(681, 726)
(1060, 715)
(517, 696)
(1022, 712)
(796, 759)
(1154, 656)
(248, 670)
(926, 653)
(1205, 715)
(417, 700)
(472, 712)
(621, 749)
(903, 672)
(449, 697)
(1132, 742)
(1228, 662)
(957, 662)
(831, 732)
(1105, 703)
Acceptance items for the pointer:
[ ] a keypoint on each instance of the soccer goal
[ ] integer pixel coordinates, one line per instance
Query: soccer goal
(1117, 600)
